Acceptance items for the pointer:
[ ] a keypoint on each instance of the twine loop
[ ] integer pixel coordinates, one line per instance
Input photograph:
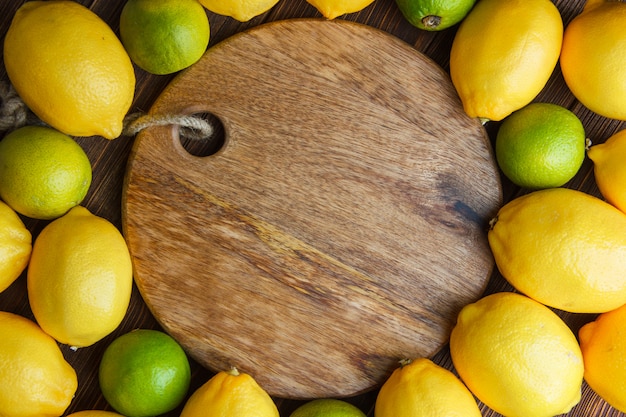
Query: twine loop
(14, 113)
(191, 127)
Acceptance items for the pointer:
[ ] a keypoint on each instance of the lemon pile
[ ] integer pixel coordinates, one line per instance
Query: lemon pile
(71, 70)
(561, 249)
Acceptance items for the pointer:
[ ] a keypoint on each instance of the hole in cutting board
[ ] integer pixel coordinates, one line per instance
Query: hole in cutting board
(209, 146)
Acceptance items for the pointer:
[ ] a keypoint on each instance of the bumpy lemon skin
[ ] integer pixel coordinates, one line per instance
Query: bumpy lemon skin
(35, 378)
(43, 172)
(541, 145)
(593, 57)
(230, 394)
(564, 248)
(609, 168)
(603, 344)
(70, 68)
(144, 373)
(332, 9)
(164, 36)
(503, 54)
(79, 278)
(517, 356)
(421, 389)
(242, 11)
(15, 246)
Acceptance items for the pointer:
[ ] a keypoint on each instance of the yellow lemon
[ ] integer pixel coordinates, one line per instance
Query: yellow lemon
(421, 388)
(237, 9)
(43, 172)
(503, 54)
(593, 56)
(79, 278)
(230, 394)
(603, 343)
(609, 168)
(15, 246)
(69, 67)
(35, 379)
(517, 356)
(564, 248)
(94, 413)
(164, 36)
(331, 9)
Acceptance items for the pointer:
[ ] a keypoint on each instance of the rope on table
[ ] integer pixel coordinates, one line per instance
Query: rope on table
(14, 113)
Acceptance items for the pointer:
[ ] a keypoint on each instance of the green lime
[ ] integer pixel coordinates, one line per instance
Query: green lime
(542, 145)
(327, 407)
(43, 172)
(144, 373)
(434, 15)
(164, 36)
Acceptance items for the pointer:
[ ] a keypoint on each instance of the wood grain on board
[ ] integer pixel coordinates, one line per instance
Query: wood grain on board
(340, 227)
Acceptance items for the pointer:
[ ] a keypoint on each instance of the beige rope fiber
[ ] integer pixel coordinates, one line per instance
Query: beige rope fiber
(14, 114)
(191, 127)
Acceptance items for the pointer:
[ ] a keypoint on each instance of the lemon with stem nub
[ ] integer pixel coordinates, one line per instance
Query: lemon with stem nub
(434, 15)
(230, 394)
(564, 248)
(79, 278)
(603, 343)
(70, 68)
(609, 168)
(503, 54)
(517, 356)
(422, 388)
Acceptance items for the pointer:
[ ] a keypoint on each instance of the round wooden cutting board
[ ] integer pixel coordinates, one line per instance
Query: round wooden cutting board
(340, 228)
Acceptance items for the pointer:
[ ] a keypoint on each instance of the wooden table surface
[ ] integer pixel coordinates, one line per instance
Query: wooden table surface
(109, 164)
